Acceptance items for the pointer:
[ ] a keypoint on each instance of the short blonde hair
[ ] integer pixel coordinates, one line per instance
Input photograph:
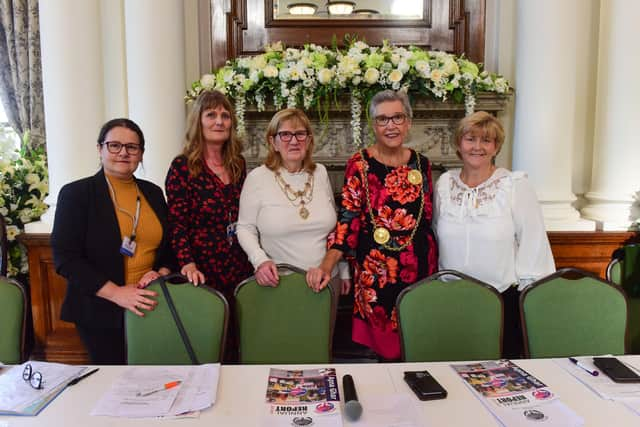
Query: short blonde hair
(297, 117)
(483, 122)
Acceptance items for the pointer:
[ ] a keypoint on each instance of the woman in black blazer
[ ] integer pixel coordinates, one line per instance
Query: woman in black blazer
(109, 241)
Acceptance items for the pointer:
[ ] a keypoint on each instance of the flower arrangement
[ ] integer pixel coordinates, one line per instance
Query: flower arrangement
(23, 186)
(314, 76)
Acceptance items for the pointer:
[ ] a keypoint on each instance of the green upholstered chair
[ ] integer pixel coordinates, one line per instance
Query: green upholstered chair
(625, 268)
(13, 317)
(155, 338)
(450, 316)
(573, 313)
(3, 247)
(286, 324)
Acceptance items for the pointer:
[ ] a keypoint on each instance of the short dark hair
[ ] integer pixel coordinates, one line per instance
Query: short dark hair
(123, 123)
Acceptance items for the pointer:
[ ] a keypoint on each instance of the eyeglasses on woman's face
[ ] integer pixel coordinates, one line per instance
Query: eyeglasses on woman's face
(114, 147)
(286, 136)
(33, 378)
(397, 119)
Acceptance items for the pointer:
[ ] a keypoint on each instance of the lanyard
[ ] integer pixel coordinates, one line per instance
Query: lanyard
(135, 217)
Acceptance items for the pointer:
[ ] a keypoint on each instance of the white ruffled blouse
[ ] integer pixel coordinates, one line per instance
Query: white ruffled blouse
(493, 232)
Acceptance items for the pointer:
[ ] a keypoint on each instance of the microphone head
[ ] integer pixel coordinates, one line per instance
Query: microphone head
(352, 410)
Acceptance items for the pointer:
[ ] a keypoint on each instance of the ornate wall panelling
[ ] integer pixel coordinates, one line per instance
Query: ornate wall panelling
(231, 28)
(431, 133)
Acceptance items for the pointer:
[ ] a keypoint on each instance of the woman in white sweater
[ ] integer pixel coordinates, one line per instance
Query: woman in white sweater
(489, 223)
(286, 205)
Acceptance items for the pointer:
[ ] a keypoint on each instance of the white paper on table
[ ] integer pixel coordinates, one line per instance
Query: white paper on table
(199, 390)
(632, 404)
(16, 393)
(196, 392)
(122, 400)
(389, 410)
(601, 384)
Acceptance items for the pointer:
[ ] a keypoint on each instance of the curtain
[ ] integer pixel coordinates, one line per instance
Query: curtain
(21, 69)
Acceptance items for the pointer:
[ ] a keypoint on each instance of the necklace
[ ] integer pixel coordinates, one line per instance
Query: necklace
(300, 197)
(381, 234)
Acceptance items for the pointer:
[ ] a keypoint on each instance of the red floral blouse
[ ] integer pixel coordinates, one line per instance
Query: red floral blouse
(381, 273)
(200, 209)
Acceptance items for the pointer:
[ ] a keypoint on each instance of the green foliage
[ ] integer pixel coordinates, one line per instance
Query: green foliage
(24, 184)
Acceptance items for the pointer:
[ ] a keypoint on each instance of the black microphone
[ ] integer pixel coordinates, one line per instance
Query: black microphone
(352, 408)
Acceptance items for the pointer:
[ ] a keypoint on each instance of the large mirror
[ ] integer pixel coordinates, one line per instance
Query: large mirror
(351, 9)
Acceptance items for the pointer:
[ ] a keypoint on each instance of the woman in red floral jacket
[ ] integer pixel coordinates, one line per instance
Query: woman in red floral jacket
(384, 225)
(203, 192)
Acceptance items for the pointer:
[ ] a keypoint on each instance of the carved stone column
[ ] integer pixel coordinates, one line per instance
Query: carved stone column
(545, 107)
(156, 80)
(615, 182)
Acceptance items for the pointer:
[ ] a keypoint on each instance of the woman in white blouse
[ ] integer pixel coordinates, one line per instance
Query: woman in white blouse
(286, 205)
(489, 223)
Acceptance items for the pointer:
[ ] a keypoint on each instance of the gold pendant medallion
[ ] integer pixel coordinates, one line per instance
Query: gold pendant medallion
(414, 177)
(304, 212)
(381, 235)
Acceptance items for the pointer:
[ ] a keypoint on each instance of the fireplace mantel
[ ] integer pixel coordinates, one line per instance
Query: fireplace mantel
(433, 126)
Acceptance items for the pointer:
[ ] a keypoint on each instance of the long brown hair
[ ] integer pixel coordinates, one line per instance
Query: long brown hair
(297, 117)
(194, 142)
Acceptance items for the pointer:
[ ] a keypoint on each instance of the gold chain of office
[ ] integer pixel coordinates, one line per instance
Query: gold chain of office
(381, 234)
(305, 195)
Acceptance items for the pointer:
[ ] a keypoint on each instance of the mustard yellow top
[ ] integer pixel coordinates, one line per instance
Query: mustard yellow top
(148, 232)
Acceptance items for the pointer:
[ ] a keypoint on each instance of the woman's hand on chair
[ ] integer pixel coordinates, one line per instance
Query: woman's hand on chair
(129, 297)
(267, 274)
(148, 277)
(192, 273)
(317, 278)
(345, 286)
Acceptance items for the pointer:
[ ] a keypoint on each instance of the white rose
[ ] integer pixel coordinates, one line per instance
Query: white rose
(356, 80)
(395, 76)
(259, 62)
(436, 75)
(32, 178)
(325, 75)
(403, 67)
(12, 232)
(450, 66)
(208, 81)
(423, 67)
(270, 71)
(395, 58)
(371, 75)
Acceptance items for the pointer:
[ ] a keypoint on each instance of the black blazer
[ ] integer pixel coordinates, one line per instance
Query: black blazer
(86, 248)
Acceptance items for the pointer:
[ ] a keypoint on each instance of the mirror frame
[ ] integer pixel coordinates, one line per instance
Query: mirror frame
(271, 21)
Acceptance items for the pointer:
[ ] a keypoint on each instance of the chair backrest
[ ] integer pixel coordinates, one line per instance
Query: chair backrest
(155, 339)
(3, 247)
(624, 269)
(450, 316)
(287, 324)
(572, 313)
(13, 316)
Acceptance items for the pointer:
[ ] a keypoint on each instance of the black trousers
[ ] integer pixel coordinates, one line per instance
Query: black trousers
(512, 340)
(105, 346)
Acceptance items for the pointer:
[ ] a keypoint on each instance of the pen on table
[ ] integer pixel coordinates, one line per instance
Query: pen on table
(81, 377)
(580, 365)
(167, 386)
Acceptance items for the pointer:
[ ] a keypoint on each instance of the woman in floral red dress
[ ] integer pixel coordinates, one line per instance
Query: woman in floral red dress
(384, 225)
(203, 192)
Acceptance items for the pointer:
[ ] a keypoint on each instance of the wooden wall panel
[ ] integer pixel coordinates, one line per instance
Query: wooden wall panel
(450, 25)
(55, 340)
(589, 251)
